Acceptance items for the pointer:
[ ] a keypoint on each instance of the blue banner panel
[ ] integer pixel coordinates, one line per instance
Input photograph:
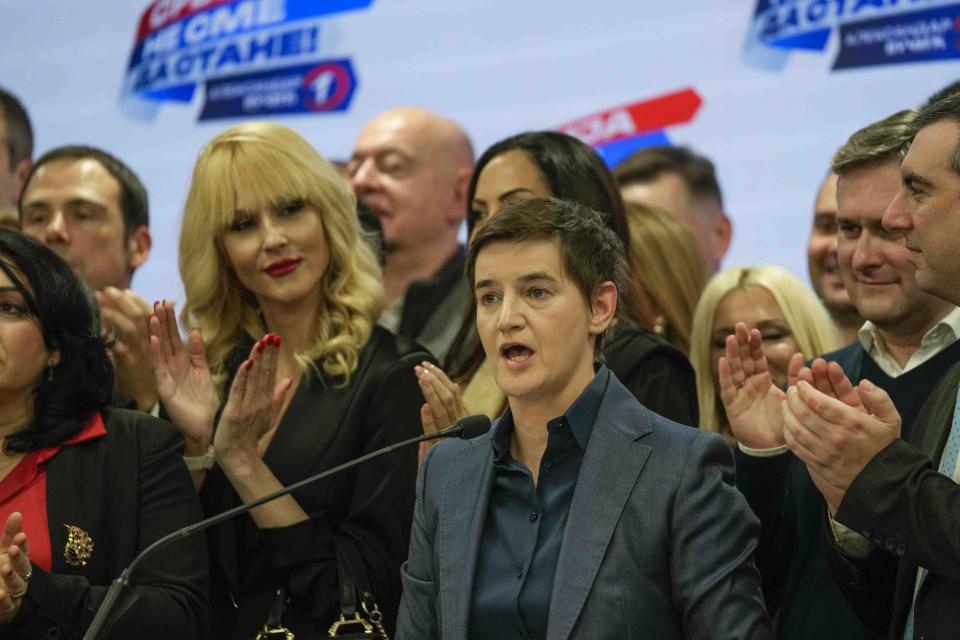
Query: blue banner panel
(917, 36)
(322, 86)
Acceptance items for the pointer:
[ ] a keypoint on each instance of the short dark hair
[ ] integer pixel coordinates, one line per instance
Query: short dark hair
(572, 170)
(946, 108)
(133, 195)
(590, 251)
(81, 383)
(19, 131)
(648, 164)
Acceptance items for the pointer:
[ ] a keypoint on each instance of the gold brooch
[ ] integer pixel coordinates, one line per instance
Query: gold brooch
(79, 546)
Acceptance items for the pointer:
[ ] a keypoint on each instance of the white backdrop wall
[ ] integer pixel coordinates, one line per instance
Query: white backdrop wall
(770, 115)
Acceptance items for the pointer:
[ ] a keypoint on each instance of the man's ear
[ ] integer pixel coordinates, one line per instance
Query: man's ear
(721, 232)
(603, 306)
(20, 171)
(138, 247)
(461, 184)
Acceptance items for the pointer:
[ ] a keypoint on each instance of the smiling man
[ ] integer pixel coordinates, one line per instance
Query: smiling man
(907, 343)
(822, 261)
(581, 514)
(901, 495)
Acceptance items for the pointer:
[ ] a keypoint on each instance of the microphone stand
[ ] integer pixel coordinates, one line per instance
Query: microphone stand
(469, 427)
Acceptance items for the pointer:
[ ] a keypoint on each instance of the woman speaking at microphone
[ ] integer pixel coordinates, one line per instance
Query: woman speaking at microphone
(270, 246)
(84, 488)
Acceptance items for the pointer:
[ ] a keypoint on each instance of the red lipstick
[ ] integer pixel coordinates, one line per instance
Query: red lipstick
(282, 267)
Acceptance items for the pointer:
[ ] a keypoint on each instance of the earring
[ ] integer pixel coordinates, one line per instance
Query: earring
(660, 325)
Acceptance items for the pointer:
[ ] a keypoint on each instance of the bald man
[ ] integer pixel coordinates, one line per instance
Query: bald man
(412, 168)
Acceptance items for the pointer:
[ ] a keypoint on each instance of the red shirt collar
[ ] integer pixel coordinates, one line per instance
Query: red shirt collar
(93, 429)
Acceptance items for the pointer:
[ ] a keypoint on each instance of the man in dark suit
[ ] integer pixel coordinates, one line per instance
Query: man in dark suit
(901, 495)
(581, 514)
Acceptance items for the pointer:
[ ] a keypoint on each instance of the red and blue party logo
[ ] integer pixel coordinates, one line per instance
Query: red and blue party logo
(871, 32)
(618, 132)
(253, 57)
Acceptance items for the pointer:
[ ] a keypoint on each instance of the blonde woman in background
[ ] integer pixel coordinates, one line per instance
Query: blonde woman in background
(772, 300)
(669, 270)
(270, 246)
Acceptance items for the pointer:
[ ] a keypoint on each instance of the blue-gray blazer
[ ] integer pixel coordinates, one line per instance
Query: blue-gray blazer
(658, 543)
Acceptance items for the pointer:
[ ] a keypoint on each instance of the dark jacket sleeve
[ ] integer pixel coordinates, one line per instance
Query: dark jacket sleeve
(168, 596)
(372, 540)
(763, 482)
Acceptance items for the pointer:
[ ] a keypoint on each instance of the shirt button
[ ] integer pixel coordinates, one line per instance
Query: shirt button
(533, 516)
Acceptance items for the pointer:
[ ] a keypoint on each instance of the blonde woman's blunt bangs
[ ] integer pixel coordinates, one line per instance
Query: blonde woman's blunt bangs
(271, 165)
(811, 326)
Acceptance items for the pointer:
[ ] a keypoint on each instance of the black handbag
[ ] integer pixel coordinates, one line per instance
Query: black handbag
(356, 622)
(273, 628)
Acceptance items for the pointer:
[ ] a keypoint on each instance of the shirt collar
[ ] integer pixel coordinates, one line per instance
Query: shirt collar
(580, 416)
(949, 325)
(93, 429)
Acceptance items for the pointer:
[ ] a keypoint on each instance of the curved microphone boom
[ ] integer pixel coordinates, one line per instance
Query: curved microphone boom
(467, 428)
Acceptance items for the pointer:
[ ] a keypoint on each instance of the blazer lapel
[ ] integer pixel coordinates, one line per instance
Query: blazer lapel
(462, 514)
(610, 468)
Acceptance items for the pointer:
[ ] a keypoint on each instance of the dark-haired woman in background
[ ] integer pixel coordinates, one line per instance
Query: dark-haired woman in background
(83, 487)
(545, 164)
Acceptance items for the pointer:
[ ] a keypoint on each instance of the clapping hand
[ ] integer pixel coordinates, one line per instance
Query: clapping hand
(751, 400)
(15, 567)
(252, 407)
(183, 379)
(444, 402)
(126, 316)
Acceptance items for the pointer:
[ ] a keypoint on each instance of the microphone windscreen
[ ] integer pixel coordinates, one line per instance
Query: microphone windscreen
(474, 426)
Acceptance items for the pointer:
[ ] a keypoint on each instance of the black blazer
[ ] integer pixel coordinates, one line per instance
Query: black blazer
(362, 515)
(126, 490)
(911, 511)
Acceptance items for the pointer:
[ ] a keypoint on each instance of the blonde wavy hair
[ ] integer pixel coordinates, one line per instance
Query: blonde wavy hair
(276, 166)
(667, 262)
(809, 322)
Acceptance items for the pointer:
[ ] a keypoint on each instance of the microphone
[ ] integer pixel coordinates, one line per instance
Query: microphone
(467, 428)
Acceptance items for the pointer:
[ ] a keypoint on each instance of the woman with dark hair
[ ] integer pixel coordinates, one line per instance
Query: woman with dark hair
(83, 487)
(551, 164)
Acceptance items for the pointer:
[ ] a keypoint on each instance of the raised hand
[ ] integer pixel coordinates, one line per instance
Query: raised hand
(125, 316)
(751, 400)
(15, 567)
(444, 402)
(252, 407)
(183, 379)
(835, 439)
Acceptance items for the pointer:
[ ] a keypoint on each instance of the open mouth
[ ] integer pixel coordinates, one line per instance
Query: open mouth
(516, 352)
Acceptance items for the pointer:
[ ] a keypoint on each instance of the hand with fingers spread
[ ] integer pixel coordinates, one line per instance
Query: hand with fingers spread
(836, 438)
(252, 407)
(444, 402)
(15, 567)
(126, 318)
(183, 379)
(751, 400)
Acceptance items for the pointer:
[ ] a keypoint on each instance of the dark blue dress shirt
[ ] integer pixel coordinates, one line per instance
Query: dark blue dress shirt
(524, 527)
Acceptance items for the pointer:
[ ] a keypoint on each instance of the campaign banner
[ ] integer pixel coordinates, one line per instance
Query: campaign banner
(181, 44)
(616, 133)
(780, 27)
(914, 37)
(327, 86)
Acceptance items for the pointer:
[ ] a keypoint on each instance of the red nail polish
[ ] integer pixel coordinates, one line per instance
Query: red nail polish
(260, 346)
(155, 304)
(249, 364)
(276, 340)
(270, 339)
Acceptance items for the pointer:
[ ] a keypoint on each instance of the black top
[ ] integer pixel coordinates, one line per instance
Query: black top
(361, 516)
(125, 490)
(524, 526)
(655, 372)
(797, 580)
